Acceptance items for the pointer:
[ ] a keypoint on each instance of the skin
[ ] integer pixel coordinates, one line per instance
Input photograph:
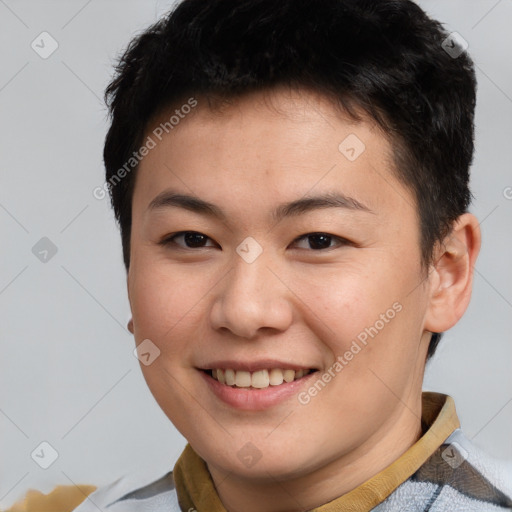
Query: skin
(294, 303)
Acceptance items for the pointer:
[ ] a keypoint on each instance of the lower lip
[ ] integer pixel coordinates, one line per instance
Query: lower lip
(251, 399)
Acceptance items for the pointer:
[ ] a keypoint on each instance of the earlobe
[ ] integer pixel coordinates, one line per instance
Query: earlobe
(451, 277)
(130, 322)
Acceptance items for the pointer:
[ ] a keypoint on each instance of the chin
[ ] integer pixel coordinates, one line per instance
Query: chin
(263, 465)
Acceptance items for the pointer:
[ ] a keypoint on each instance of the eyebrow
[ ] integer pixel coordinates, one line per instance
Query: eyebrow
(169, 199)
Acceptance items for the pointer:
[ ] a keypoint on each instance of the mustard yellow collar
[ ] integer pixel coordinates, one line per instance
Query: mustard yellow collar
(196, 489)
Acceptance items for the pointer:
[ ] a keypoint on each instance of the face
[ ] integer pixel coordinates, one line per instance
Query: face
(271, 241)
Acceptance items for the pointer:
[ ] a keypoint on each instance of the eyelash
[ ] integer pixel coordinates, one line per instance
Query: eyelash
(170, 240)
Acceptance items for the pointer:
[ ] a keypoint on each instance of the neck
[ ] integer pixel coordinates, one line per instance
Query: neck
(334, 479)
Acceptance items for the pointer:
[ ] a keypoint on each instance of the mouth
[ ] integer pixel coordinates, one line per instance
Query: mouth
(260, 379)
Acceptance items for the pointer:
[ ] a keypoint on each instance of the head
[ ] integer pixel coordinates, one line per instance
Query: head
(353, 114)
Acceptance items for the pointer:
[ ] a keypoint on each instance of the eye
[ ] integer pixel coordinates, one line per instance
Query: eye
(196, 240)
(191, 239)
(320, 241)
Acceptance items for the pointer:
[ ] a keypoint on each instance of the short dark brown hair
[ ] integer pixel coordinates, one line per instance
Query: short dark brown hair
(386, 58)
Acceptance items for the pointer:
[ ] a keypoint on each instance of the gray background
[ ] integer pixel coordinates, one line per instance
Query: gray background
(68, 375)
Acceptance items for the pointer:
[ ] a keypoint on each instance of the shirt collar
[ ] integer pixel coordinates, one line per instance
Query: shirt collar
(196, 489)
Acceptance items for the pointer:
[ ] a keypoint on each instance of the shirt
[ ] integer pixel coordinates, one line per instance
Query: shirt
(443, 471)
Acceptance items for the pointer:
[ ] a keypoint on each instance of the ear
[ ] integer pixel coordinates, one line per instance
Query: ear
(451, 276)
(130, 322)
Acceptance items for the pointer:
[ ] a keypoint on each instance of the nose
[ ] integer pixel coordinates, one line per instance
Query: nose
(252, 298)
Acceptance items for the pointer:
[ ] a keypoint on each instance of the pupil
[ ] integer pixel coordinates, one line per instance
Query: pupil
(194, 239)
(325, 239)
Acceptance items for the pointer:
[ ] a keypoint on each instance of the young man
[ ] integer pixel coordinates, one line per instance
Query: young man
(291, 183)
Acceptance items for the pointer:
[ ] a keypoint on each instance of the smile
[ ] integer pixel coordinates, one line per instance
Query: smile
(260, 379)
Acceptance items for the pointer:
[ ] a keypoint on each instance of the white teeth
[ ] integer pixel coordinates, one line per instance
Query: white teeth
(260, 379)
(243, 379)
(230, 377)
(276, 377)
(288, 375)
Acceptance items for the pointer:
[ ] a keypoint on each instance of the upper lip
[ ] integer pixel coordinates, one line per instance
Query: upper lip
(253, 366)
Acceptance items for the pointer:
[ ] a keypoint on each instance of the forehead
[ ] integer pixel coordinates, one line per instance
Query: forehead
(280, 143)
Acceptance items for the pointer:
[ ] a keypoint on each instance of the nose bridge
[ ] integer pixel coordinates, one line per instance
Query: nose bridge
(251, 297)
(247, 280)
(250, 268)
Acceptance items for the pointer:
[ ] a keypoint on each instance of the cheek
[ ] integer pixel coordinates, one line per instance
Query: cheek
(350, 300)
(369, 315)
(382, 350)
(165, 304)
